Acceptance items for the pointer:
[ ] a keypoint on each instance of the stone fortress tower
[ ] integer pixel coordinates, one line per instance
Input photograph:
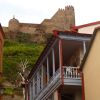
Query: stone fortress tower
(63, 19)
(14, 25)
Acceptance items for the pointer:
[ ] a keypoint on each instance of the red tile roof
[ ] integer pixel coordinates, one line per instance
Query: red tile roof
(86, 25)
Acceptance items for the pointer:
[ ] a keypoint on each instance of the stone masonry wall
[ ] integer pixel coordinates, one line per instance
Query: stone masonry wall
(62, 20)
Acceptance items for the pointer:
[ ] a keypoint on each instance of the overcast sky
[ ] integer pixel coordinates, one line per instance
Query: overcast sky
(34, 11)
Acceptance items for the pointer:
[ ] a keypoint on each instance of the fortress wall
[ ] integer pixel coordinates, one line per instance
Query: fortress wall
(63, 19)
(5, 29)
(59, 19)
(48, 25)
(26, 29)
(59, 15)
(29, 25)
(46, 21)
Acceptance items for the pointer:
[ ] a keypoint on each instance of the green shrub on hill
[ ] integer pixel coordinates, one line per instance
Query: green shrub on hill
(14, 52)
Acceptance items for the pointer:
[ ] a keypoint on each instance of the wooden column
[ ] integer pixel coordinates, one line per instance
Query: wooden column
(33, 88)
(35, 85)
(37, 81)
(53, 64)
(0, 97)
(84, 47)
(56, 95)
(26, 91)
(48, 70)
(30, 91)
(42, 71)
(83, 88)
(60, 53)
(60, 60)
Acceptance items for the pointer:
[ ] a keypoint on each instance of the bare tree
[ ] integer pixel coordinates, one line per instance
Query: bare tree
(23, 72)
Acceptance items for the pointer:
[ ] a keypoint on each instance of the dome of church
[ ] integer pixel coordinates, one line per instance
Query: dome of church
(13, 25)
(13, 20)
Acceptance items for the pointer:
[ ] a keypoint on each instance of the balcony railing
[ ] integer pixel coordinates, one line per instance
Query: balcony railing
(71, 72)
(71, 76)
(53, 83)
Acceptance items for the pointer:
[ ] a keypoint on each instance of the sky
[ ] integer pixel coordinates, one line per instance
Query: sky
(34, 11)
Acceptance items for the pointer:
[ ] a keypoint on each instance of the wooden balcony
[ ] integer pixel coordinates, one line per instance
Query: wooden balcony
(49, 72)
(68, 75)
(71, 76)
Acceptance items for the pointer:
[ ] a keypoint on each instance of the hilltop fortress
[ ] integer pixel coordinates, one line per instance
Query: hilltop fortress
(63, 19)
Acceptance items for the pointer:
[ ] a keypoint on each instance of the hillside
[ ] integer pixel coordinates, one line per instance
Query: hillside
(14, 53)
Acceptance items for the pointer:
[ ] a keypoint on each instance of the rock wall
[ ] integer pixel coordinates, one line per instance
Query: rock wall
(15, 97)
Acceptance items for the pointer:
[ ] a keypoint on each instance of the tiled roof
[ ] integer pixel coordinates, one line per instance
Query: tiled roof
(86, 25)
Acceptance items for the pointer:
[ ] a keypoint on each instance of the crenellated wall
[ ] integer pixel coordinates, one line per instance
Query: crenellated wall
(28, 28)
(63, 19)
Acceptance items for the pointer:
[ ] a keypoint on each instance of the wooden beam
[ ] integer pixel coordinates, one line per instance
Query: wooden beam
(38, 85)
(53, 58)
(61, 61)
(42, 71)
(30, 90)
(48, 70)
(84, 47)
(76, 38)
(33, 88)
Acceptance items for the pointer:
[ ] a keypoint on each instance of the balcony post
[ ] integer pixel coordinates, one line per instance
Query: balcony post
(37, 82)
(33, 88)
(56, 96)
(53, 58)
(42, 77)
(60, 60)
(60, 54)
(84, 47)
(30, 86)
(47, 69)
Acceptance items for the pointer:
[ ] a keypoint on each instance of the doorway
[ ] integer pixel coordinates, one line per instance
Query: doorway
(67, 97)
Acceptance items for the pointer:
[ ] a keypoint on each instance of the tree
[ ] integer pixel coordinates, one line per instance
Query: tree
(23, 73)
